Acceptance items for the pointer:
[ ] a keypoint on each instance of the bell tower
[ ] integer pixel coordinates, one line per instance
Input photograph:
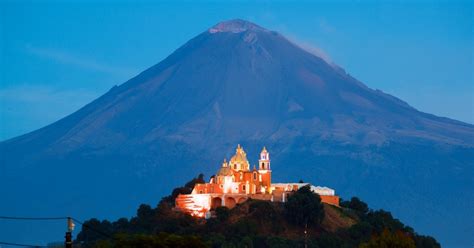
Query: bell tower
(264, 162)
(264, 171)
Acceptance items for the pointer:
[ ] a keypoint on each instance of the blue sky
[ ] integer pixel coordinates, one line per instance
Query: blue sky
(57, 56)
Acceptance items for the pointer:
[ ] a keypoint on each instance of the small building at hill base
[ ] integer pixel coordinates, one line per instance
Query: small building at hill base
(235, 182)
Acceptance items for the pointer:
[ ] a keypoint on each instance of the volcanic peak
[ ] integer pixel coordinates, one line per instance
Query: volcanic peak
(235, 26)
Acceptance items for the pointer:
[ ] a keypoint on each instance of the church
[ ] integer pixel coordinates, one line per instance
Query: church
(235, 182)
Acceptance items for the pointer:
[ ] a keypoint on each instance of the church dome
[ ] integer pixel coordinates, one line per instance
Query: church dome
(240, 158)
(224, 171)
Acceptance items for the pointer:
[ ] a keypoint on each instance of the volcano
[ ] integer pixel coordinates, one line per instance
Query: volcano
(240, 83)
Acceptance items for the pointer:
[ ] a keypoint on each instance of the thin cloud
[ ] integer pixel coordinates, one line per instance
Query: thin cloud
(78, 61)
(32, 94)
(326, 27)
(307, 46)
(317, 51)
(29, 107)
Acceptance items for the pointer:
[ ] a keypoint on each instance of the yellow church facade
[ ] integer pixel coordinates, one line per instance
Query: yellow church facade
(235, 182)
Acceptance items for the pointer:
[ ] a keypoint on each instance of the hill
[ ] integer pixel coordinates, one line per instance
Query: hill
(303, 219)
(240, 83)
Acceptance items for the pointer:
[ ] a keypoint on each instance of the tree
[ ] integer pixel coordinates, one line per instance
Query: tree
(222, 214)
(94, 229)
(304, 207)
(145, 218)
(161, 240)
(121, 225)
(262, 210)
(388, 239)
(426, 242)
(381, 220)
(358, 205)
(194, 181)
(243, 227)
(186, 189)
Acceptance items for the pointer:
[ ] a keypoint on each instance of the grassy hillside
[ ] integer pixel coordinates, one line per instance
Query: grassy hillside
(303, 219)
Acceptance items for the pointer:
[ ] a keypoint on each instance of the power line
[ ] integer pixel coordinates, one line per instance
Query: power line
(27, 218)
(17, 244)
(32, 218)
(52, 218)
(57, 218)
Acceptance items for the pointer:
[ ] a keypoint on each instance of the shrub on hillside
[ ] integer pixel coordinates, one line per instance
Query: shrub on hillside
(304, 208)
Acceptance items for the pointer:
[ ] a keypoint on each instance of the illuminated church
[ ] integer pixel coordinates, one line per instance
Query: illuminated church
(235, 182)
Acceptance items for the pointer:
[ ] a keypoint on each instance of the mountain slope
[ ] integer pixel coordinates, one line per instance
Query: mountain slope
(240, 83)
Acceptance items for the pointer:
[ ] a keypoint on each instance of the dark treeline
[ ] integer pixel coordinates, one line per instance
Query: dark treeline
(253, 224)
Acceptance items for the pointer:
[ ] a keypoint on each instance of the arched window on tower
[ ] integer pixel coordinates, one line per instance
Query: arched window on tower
(263, 166)
(235, 166)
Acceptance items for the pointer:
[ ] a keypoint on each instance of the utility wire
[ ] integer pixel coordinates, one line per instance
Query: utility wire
(23, 245)
(27, 218)
(55, 218)
(32, 218)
